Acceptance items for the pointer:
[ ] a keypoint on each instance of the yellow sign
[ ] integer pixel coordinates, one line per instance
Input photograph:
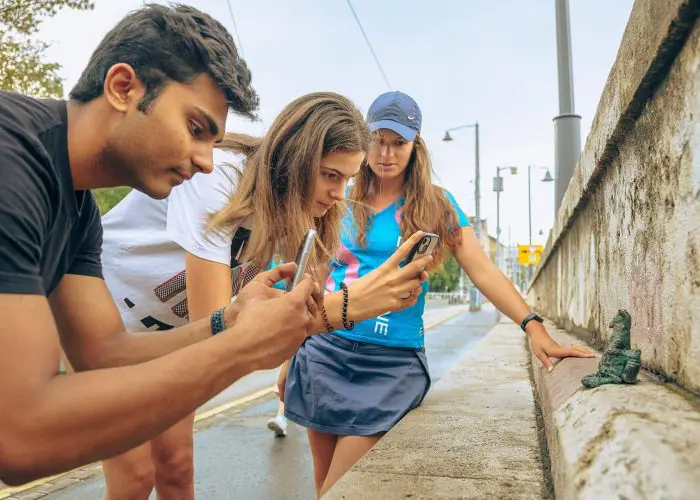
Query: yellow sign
(529, 254)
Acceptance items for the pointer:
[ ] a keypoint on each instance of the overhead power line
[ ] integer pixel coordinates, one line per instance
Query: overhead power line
(376, 59)
(235, 29)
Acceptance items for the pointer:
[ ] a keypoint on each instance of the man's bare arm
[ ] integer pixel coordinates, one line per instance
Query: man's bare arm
(51, 423)
(93, 335)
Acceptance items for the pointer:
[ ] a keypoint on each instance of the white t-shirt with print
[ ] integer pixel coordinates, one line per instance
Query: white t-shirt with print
(143, 258)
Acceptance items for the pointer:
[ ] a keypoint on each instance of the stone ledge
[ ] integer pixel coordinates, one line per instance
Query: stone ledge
(474, 436)
(640, 441)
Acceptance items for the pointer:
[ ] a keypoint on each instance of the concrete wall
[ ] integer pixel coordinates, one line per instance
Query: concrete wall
(628, 232)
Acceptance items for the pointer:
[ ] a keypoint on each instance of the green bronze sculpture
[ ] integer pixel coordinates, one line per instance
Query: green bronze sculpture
(620, 363)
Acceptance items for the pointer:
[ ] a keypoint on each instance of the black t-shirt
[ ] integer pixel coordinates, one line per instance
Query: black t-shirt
(47, 229)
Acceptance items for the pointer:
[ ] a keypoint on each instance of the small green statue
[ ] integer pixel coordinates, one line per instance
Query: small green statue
(620, 363)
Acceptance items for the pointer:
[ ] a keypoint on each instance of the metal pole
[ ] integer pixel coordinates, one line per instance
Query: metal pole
(567, 126)
(511, 256)
(498, 220)
(474, 301)
(529, 206)
(474, 297)
(565, 74)
(477, 180)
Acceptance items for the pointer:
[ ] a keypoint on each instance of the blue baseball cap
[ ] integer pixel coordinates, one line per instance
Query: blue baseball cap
(395, 111)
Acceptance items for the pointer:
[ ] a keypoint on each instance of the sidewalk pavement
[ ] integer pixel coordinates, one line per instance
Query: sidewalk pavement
(474, 436)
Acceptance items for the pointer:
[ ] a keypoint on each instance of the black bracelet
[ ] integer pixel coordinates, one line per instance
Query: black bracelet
(530, 317)
(326, 323)
(217, 321)
(348, 325)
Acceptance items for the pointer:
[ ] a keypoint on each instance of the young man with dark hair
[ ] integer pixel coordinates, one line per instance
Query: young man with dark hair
(146, 113)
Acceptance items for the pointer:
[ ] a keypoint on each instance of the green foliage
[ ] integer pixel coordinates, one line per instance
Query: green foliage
(447, 278)
(22, 68)
(108, 197)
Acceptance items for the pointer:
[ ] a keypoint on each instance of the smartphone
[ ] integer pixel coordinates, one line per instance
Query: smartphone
(302, 259)
(425, 246)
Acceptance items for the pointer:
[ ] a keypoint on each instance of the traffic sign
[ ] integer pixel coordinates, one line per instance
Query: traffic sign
(529, 254)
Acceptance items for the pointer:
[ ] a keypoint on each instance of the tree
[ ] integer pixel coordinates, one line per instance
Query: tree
(22, 65)
(446, 279)
(108, 197)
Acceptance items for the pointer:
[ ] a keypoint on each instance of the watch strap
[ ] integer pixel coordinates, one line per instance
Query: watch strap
(530, 317)
(218, 324)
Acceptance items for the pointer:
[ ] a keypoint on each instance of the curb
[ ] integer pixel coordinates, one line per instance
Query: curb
(617, 441)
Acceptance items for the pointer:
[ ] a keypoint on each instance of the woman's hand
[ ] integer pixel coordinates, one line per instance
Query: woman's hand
(544, 347)
(381, 290)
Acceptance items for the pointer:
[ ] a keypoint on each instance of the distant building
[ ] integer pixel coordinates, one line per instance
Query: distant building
(493, 252)
(485, 244)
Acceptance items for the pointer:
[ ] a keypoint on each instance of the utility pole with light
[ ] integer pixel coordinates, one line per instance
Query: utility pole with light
(567, 125)
(474, 299)
(498, 187)
(547, 178)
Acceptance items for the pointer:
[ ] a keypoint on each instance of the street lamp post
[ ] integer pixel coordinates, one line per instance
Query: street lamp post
(474, 301)
(567, 125)
(498, 187)
(547, 178)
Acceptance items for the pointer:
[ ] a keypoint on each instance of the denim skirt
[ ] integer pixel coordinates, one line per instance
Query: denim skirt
(349, 388)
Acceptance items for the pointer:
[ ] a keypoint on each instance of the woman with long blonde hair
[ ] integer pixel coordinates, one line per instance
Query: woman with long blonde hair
(351, 386)
(183, 258)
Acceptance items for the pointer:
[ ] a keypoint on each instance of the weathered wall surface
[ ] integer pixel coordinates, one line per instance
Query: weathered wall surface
(628, 232)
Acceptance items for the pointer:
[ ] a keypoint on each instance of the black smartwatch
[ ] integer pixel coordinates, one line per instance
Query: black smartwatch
(529, 318)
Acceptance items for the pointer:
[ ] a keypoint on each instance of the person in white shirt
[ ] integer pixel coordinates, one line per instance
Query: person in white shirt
(167, 262)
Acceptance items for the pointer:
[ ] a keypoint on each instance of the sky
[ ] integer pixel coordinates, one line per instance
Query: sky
(463, 61)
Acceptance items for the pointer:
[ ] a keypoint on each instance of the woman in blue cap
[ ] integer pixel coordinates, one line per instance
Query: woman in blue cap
(349, 387)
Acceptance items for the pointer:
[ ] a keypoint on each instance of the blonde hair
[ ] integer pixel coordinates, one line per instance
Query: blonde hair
(276, 184)
(426, 206)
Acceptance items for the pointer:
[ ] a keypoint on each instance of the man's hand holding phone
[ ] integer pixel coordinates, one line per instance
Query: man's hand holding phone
(393, 286)
(262, 288)
(276, 327)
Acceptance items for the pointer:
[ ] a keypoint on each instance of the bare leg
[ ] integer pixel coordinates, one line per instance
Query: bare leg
(131, 475)
(322, 449)
(278, 423)
(348, 450)
(173, 457)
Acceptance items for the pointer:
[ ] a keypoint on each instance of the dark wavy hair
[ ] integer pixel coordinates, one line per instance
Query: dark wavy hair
(164, 44)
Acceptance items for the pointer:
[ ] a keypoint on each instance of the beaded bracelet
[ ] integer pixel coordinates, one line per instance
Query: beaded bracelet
(326, 323)
(348, 325)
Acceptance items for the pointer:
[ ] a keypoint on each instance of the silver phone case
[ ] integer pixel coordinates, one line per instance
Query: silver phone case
(302, 259)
